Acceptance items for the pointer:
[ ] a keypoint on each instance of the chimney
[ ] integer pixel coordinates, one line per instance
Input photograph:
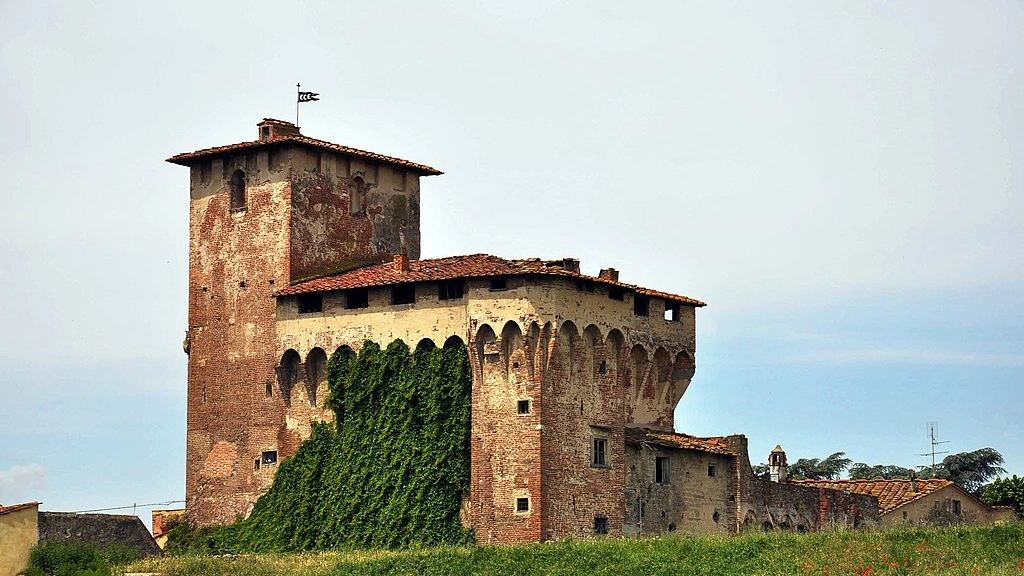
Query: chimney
(913, 481)
(271, 129)
(401, 262)
(777, 466)
(609, 274)
(571, 264)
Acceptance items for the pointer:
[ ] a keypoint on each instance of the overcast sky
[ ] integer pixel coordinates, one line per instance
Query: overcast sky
(840, 181)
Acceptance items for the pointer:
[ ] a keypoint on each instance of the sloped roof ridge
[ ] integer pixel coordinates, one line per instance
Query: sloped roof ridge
(184, 157)
(477, 265)
(646, 435)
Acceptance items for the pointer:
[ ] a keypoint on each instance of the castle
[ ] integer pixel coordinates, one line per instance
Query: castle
(299, 247)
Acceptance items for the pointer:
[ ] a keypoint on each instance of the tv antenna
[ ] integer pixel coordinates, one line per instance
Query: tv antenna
(933, 432)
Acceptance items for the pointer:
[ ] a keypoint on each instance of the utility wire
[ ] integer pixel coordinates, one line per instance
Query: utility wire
(132, 506)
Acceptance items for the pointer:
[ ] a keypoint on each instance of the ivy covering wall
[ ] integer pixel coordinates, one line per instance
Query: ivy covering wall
(388, 472)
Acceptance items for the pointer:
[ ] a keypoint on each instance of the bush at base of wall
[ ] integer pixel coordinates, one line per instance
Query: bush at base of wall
(389, 472)
(77, 559)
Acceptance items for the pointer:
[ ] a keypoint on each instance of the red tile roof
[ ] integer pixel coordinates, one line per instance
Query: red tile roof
(188, 158)
(16, 507)
(642, 436)
(891, 494)
(455, 267)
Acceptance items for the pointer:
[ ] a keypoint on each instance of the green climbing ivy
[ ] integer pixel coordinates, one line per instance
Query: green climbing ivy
(387, 473)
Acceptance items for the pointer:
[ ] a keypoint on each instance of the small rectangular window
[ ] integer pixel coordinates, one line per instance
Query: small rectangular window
(662, 470)
(616, 293)
(711, 470)
(641, 305)
(584, 286)
(522, 505)
(357, 298)
(600, 524)
(311, 303)
(956, 507)
(671, 311)
(599, 453)
(449, 290)
(499, 283)
(523, 407)
(269, 457)
(403, 294)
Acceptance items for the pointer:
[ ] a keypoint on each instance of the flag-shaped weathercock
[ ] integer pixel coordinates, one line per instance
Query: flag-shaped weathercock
(303, 97)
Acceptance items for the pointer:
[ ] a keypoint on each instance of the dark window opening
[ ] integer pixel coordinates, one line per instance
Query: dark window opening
(403, 294)
(523, 407)
(269, 457)
(449, 290)
(956, 507)
(311, 303)
(602, 368)
(801, 528)
(904, 514)
(641, 305)
(256, 464)
(616, 293)
(270, 390)
(584, 286)
(264, 132)
(716, 516)
(522, 504)
(600, 524)
(662, 470)
(599, 455)
(768, 526)
(236, 186)
(711, 470)
(499, 283)
(358, 298)
(671, 526)
(671, 311)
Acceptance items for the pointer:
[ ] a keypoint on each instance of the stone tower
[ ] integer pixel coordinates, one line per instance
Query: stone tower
(265, 214)
(778, 468)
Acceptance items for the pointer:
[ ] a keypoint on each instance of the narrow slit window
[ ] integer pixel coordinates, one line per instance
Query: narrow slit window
(662, 470)
(641, 305)
(236, 187)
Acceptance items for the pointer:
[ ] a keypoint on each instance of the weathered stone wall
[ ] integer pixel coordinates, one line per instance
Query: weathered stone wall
(766, 505)
(542, 340)
(695, 499)
(97, 529)
(346, 212)
(237, 259)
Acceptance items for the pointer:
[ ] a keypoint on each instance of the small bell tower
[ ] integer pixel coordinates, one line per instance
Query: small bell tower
(777, 465)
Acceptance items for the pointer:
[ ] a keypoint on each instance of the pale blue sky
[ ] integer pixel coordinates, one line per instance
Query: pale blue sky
(841, 182)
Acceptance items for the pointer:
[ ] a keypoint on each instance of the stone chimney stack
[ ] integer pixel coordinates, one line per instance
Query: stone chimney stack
(401, 262)
(609, 274)
(913, 481)
(777, 465)
(271, 129)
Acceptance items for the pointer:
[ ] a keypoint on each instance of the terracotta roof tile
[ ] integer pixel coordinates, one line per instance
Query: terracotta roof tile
(640, 436)
(455, 267)
(188, 158)
(16, 507)
(891, 494)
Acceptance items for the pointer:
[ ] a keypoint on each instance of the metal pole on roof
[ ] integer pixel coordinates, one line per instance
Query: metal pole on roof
(298, 90)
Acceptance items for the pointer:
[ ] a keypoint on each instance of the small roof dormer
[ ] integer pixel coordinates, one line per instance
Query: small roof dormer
(272, 129)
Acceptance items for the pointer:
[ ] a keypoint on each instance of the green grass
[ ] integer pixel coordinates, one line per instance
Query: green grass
(988, 550)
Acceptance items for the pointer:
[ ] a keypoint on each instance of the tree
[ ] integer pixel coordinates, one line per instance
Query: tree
(862, 471)
(831, 468)
(1006, 492)
(971, 470)
(762, 471)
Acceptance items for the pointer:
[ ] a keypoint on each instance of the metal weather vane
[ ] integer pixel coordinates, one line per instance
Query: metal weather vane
(303, 97)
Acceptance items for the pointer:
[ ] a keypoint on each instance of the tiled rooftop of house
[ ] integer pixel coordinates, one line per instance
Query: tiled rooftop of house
(16, 507)
(188, 158)
(456, 267)
(650, 436)
(891, 494)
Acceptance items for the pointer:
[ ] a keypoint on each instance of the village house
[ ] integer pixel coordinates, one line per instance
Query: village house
(300, 247)
(915, 502)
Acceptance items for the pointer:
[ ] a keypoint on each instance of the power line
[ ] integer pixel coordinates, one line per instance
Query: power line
(132, 506)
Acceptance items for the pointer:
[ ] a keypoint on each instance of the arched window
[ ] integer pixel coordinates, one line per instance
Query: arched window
(237, 188)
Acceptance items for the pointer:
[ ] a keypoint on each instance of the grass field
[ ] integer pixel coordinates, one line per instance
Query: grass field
(989, 550)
